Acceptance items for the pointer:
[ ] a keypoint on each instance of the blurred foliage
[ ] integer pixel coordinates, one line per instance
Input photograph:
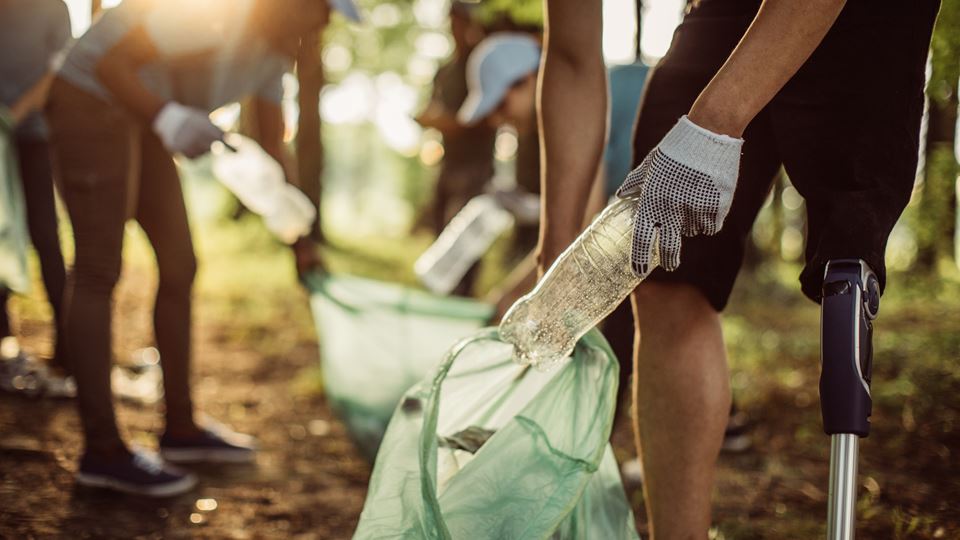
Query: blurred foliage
(945, 53)
(522, 12)
(386, 41)
(934, 221)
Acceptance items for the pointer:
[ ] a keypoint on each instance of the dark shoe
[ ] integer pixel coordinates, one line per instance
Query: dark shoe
(139, 473)
(215, 444)
(23, 374)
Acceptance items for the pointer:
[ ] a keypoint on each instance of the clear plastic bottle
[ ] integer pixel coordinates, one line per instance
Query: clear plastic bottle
(585, 284)
(462, 243)
(258, 181)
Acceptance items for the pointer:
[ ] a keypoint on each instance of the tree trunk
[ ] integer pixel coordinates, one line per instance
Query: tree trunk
(937, 209)
(639, 14)
(938, 202)
(309, 144)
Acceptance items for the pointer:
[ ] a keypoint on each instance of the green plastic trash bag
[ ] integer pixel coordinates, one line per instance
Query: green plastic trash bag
(377, 340)
(13, 224)
(546, 471)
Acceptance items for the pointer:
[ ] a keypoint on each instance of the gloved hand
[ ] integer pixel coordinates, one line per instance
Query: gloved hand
(185, 130)
(684, 187)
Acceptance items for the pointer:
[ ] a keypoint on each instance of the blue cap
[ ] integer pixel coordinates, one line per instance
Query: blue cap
(495, 65)
(347, 7)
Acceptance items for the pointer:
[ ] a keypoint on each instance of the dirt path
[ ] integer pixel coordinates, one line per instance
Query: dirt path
(308, 481)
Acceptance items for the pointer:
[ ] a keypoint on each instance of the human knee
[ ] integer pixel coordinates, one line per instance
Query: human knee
(99, 276)
(177, 276)
(664, 305)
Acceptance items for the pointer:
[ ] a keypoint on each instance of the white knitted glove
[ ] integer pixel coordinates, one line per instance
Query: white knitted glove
(684, 187)
(185, 130)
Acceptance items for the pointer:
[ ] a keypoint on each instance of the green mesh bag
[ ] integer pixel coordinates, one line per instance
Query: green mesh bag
(13, 224)
(377, 340)
(544, 467)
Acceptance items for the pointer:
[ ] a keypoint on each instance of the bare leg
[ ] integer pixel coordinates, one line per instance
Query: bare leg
(682, 403)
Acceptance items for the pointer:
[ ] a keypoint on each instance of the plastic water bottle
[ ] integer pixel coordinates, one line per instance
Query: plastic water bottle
(258, 181)
(585, 284)
(462, 243)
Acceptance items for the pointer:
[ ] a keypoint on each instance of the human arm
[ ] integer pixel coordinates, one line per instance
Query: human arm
(436, 116)
(57, 37)
(783, 35)
(781, 38)
(524, 276)
(182, 129)
(572, 109)
(118, 71)
(685, 185)
(270, 128)
(269, 132)
(32, 100)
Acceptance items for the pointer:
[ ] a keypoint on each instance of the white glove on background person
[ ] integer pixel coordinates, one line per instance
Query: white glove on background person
(185, 130)
(684, 187)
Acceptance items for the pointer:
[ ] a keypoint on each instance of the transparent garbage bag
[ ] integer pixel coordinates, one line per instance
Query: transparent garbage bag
(13, 220)
(547, 470)
(377, 340)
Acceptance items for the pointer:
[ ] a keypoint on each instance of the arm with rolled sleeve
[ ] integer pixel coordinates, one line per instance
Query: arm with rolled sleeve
(172, 31)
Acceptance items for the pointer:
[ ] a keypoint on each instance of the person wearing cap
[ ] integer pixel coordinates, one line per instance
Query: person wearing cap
(32, 34)
(134, 91)
(467, 163)
(501, 77)
(746, 87)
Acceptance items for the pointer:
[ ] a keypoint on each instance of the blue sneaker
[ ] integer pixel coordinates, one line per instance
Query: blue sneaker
(140, 473)
(215, 444)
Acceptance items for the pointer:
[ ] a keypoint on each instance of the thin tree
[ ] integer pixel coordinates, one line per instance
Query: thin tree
(936, 216)
(639, 15)
(309, 144)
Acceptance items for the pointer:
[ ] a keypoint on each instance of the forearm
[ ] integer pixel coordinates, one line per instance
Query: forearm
(572, 110)
(270, 130)
(118, 72)
(781, 38)
(123, 83)
(31, 100)
(438, 118)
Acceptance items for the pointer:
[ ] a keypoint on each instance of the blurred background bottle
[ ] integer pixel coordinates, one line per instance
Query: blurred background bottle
(462, 243)
(585, 284)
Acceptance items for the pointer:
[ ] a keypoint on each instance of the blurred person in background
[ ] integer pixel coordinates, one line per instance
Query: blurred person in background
(133, 92)
(467, 164)
(502, 82)
(32, 33)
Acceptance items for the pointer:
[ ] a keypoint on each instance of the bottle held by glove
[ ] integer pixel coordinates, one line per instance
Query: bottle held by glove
(585, 284)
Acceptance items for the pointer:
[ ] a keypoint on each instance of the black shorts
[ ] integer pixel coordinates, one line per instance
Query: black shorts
(845, 128)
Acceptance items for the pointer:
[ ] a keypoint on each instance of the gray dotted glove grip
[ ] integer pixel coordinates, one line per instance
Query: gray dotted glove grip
(684, 187)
